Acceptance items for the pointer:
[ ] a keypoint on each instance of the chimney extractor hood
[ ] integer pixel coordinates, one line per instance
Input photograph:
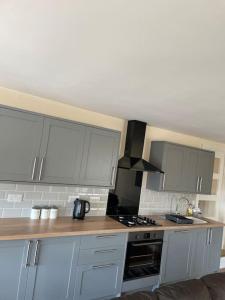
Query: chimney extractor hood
(132, 158)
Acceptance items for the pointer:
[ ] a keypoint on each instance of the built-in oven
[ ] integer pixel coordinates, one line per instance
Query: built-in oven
(143, 256)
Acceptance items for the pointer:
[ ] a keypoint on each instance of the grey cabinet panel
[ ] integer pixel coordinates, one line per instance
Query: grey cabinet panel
(173, 167)
(186, 169)
(99, 281)
(205, 171)
(198, 253)
(100, 157)
(189, 170)
(20, 135)
(103, 240)
(13, 275)
(213, 250)
(53, 276)
(62, 150)
(176, 256)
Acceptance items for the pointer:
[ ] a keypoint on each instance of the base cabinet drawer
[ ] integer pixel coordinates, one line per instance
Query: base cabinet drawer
(99, 255)
(102, 240)
(99, 281)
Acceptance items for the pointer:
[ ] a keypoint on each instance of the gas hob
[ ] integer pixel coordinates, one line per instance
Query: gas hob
(131, 221)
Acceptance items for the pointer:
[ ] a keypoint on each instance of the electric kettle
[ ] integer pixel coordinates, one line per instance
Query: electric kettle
(81, 207)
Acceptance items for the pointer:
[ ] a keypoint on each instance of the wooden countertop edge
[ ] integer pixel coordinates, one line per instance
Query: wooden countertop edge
(25, 229)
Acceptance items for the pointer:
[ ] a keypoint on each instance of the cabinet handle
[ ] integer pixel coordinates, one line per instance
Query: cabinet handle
(34, 168)
(41, 169)
(210, 236)
(113, 175)
(181, 231)
(105, 251)
(197, 187)
(164, 181)
(103, 266)
(27, 264)
(36, 253)
(200, 187)
(105, 236)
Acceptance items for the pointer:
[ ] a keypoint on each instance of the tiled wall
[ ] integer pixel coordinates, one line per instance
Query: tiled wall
(151, 202)
(49, 195)
(160, 203)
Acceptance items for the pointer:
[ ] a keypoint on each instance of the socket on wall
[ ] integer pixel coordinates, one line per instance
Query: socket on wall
(15, 198)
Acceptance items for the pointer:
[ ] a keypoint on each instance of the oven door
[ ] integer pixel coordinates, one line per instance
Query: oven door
(143, 259)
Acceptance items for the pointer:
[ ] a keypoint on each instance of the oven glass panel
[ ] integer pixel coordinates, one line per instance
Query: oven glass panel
(143, 259)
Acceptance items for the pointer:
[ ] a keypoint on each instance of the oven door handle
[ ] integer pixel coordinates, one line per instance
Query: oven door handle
(145, 244)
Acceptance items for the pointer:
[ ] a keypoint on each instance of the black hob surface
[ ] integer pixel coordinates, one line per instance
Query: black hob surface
(131, 221)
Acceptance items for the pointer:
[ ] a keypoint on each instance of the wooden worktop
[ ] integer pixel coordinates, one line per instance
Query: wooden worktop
(24, 228)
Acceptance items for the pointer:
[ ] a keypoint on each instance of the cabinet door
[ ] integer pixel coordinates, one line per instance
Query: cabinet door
(213, 250)
(205, 171)
(99, 281)
(13, 275)
(61, 152)
(53, 274)
(175, 261)
(172, 166)
(198, 253)
(100, 157)
(189, 170)
(20, 135)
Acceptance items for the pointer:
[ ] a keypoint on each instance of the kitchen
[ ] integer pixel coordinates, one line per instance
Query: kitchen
(66, 258)
(112, 150)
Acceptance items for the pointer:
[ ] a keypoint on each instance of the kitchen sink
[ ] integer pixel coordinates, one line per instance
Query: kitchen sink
(197, 220)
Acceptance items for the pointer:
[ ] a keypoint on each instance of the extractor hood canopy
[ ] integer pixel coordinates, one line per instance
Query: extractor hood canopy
(132, 158)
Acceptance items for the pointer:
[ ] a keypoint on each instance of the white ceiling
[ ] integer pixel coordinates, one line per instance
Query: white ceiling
(160, 61)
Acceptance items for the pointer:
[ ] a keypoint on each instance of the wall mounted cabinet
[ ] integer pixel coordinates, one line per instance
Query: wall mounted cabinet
(186, 169)
(41, 149)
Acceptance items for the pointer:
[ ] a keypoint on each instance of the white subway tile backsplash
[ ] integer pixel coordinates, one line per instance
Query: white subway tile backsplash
(42, 188)
(50, 196)
(11, 212)
(151, 202)
(25, 187)
(33, 195)
(7, 187)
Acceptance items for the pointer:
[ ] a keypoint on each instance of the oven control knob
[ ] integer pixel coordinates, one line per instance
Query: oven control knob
(138, 237)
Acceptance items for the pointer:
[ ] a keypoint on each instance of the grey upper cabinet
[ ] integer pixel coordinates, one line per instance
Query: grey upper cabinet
(52, 273)
(100, 157)
(39, 149)
(205, 171)
(176, 255)
(13, 274)
(20, 135)
(186, 169)
(61, 152)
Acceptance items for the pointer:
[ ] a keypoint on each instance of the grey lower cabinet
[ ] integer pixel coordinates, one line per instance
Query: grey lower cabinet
(101, 264)
(13, 269)
(52, 269)
(20, 135)
(40, 149)
(186, 169)
(176, 255)
(100, 157)
(190, 254)
(70, 268)
(100, 281)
